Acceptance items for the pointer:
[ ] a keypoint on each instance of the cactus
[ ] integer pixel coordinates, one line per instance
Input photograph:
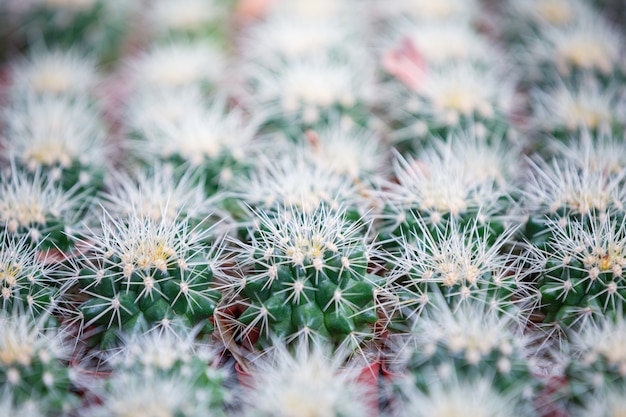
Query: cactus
(53, 72)
(586, 108)
(603, 404)
(172, 355)
(37, 210)
(305, 92)
(464, 95)
(307, 274)
(563, 190)
(135, 395)
(161, 192)
(27, 279)
(461, 262)
(589, 46)
(188, 19)
(177, 64)
(96, 25)
(306, 383)
(526, 20)
(285, 37)
(143, 272)
(460, 397)
(32, 364)
(463, 179)
(187, 132)
(583, 269)
(469, 341)
(296, 179)
(594, 361)
(62, 136)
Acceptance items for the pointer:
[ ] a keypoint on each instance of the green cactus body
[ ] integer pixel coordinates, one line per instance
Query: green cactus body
(461, 264)
(307, 274)
(583, 270)
(461, 179)
(143, 272)
(470, 342)
(172, 354)
(31, 364)
(594, 361)
(27, 282)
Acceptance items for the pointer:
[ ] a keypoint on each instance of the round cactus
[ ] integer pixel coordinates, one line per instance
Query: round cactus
(38, 210)
(176, 64)
(27, 279)
(62, 136)
(310, 382)
(460, 397)
(54, 72)
(590, 46)
(564, 190)
(462, 179)
(306, 274)
(97, 25)
(582, 273)
(31, 364)
(172, 355)
(460, 262)
(442, 99)
(144, 272)
(594, 360)
(305, 92)
(182, 129)
(469, 341)
(585, 108)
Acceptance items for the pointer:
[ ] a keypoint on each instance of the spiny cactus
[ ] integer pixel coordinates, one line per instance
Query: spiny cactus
(445, 42)
(172, 354)
(589, 46)
(294, 179)
(461, 397)
(464, 95)
(160, 191)
(303, 92)
(463, 180)
(583, 269)
(459, 261)
(32, 364)
(526, 20)
(562, 190)
(53, 72)
(144, 272)
(178, 63)
(134, 394)
(97, 25)
(426, 11)
(610, 403)
(62, 136)
(593, 362)
(188, 18)
(36, 209)
(189, 132)
(310, 382)
(286, 36)
(27, 280)
(564, 110)
(306, 274)
(468, 341)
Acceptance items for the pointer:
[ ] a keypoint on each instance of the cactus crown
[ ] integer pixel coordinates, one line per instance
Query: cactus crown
(140, 271)
(306, 273)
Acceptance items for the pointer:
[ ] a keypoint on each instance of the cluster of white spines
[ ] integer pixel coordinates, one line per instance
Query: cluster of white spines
(307, 383)
(54, 132)
(55, 72)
